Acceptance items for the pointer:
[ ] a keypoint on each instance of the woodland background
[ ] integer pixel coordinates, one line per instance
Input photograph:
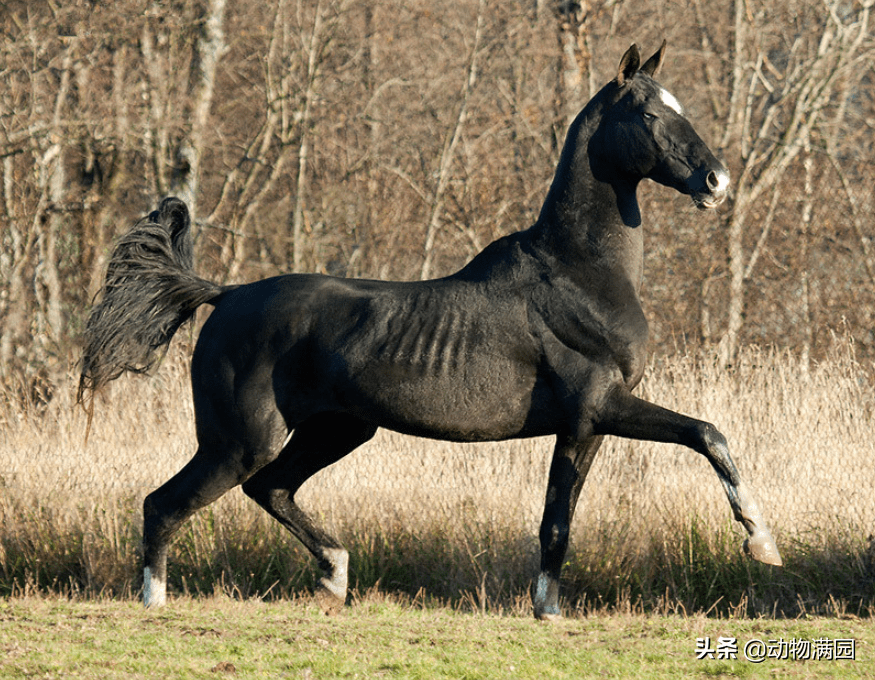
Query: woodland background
(396, 139)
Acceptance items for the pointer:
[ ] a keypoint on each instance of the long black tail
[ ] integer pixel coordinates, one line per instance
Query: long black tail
(150, 290)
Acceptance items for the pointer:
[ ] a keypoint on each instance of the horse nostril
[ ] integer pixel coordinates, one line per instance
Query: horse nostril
(712, 180)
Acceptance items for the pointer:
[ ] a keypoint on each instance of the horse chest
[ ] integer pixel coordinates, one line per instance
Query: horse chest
(596, 319)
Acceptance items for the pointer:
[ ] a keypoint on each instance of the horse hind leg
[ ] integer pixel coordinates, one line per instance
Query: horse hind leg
(203, 480)
(315, 444)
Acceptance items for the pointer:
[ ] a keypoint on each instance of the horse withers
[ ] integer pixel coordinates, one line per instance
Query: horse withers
(542, 333)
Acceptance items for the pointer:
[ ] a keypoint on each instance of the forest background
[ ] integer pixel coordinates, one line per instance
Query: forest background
(396, 139)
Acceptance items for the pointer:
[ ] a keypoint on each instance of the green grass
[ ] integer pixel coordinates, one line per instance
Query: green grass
(388, 637)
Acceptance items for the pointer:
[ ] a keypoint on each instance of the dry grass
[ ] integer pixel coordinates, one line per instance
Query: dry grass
(460, 521)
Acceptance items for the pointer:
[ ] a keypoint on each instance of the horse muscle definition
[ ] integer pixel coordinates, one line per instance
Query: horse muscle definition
(542, 333)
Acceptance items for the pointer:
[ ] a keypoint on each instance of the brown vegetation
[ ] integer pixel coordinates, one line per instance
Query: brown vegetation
(460, 521)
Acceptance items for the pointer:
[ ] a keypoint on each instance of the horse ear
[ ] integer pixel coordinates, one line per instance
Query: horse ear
(628, 65)
(652, 65)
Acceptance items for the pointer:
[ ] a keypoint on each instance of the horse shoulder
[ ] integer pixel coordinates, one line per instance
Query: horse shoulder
(599, 323)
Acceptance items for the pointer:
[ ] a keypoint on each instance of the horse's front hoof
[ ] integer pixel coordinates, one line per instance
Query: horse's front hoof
(761, 547)
(548, 618)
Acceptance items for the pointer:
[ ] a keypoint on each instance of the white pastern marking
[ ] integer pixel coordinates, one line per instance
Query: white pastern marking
(541, 590)
(154, 589)
(671, 101)
(337, 581)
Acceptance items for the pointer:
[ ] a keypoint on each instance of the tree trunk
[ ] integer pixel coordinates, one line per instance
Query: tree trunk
(301, 181)
(191, 150)
(450, 149)
(774, 125)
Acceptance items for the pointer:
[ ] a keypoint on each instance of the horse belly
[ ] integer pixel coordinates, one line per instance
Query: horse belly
(487, 401)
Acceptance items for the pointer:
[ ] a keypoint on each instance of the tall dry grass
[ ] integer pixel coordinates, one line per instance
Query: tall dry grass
(458, 522)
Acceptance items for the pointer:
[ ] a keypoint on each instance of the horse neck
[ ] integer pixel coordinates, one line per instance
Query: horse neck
(585, 222)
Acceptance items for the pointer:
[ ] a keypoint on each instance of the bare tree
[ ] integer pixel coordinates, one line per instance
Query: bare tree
(781, 85)
(448, 153)
(208, 48)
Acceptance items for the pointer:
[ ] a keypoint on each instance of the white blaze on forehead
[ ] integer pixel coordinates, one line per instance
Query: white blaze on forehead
(671, 101)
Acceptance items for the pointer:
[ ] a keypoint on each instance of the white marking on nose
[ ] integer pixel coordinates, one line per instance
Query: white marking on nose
(671, 101)
(722, 181)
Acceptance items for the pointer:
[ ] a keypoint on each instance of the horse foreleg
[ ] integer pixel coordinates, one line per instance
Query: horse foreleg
(631, 417)
(316, 443)
(568, 469)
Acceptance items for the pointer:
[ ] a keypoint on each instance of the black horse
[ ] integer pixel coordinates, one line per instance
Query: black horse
(541, 334)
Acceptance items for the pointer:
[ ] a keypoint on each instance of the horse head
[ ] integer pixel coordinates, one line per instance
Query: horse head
(644, 133)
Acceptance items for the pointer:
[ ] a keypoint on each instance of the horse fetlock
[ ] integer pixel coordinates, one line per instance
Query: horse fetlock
(335, 562)
(546, 598)
(154, 588)
(331, 590)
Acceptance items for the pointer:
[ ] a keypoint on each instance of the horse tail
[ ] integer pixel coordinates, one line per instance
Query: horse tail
(150, 290)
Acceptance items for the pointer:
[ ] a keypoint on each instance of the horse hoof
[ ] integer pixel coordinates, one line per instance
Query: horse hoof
(329, 602)
(549, 618)
(761, 547)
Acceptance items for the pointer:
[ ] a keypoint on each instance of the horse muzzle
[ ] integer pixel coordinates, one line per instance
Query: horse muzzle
(715, 191)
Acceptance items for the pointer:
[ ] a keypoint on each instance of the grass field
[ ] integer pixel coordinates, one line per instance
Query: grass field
(456, 525)
(380, 636)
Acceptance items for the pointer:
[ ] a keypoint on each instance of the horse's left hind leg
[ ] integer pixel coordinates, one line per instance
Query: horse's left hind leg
(206, 477)
(315, 444)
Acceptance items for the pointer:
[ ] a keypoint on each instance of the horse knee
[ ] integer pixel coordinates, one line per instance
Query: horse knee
(703, 438)
(712, 439)
(554, 537)
(713, 445)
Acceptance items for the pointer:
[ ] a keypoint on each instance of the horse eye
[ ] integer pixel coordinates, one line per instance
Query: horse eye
(648, 116)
